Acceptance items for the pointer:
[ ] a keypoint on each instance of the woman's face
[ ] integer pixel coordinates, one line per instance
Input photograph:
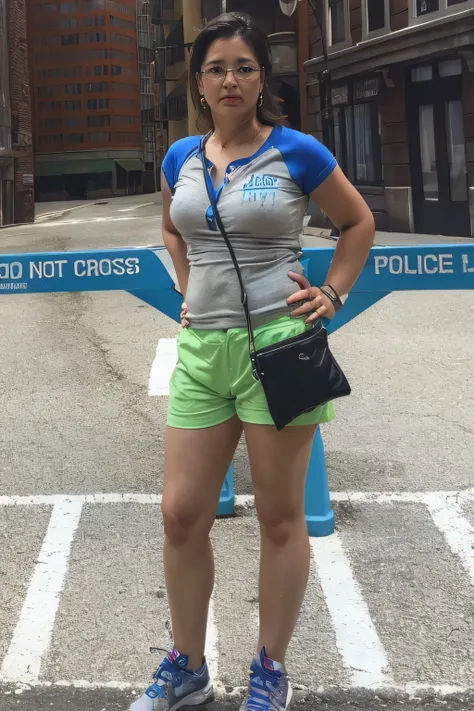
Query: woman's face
(231, 93)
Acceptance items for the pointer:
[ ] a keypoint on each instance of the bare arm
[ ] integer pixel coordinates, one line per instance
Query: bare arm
(173, 241)
(349, 212)
(346, 208)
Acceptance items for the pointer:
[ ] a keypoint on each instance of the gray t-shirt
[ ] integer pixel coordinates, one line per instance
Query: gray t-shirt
(262, 203)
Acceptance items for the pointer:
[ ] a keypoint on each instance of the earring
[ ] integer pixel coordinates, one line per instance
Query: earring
(260, 100)
(203, 103)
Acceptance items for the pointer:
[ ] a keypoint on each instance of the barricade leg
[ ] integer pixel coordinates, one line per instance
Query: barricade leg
(319, 515)
(227, 500)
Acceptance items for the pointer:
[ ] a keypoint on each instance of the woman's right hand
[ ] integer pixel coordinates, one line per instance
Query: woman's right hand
(184, 312)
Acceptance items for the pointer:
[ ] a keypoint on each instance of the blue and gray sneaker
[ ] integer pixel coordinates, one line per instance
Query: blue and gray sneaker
(176, 686)
(269, 688)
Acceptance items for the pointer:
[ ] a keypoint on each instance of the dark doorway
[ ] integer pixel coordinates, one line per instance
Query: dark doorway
(437, 149)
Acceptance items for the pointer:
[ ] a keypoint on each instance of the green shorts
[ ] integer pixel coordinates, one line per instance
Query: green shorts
(213, 379)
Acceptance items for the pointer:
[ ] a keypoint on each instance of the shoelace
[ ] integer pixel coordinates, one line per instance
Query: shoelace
(165, 671)
(267, 688)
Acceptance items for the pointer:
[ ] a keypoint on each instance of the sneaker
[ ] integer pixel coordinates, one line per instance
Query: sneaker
(269, 688)
(176, 686)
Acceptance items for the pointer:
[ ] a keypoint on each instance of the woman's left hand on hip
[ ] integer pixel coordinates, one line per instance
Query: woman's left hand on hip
(317, 305)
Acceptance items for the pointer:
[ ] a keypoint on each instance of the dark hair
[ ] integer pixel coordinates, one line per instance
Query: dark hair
(234, 24)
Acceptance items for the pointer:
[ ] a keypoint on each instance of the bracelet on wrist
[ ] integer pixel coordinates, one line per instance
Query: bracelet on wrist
(332, 294)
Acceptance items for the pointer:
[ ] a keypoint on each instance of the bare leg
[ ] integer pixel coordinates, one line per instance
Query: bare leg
(279, 463)
(196, 462)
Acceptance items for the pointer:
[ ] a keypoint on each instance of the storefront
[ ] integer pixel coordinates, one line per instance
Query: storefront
(398, 112)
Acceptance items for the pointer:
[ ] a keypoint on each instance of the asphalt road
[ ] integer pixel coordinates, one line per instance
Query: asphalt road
(390, 601)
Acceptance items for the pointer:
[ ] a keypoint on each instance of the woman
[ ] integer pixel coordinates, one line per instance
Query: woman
(262, 173)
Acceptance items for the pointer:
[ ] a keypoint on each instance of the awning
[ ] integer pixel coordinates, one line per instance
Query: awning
(130, 163)
(72, 167)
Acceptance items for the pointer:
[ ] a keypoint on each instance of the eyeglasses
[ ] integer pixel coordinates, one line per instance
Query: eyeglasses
(243, 73)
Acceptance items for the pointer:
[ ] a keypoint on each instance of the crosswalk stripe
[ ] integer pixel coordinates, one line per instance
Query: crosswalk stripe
(163, 366)
(457, 530)
(33, 632)
(357, 640)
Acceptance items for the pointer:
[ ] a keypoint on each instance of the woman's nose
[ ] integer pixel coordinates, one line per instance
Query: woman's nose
(230, 79)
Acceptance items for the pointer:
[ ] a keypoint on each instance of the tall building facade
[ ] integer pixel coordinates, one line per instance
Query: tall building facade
(394, 99)
(84, 60)
(16, 155)
(177, 23)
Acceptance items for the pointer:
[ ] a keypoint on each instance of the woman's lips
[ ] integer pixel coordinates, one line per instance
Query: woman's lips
(231, 99)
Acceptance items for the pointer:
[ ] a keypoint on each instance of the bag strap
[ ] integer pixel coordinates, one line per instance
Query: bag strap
(217, 217)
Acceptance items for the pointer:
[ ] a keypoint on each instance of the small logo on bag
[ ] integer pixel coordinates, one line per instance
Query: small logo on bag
(303, 356)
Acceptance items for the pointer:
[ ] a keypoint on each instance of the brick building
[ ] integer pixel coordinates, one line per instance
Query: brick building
(88, 100)
(396, 105)
(16, 156)
(177, 23)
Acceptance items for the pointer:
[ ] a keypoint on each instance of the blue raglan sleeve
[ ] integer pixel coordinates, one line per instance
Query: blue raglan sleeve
(308, 160)
(175, 158)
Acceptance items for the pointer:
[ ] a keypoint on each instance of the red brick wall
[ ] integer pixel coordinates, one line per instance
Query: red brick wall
(21, 108)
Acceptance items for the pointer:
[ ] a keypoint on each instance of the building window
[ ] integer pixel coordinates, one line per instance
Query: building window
(50, 123)
(75, 138)
(356, 142)
(73, 88)
(52, 141)
(67, 23)
(51, 90)
(73, 122)
(99, 120)
(66, 7)
(93, 5)
(375, 18)
(97, 86)
(425, 10)
(96, 37)
(97, 21)
(121, 7)
(70, 39)
(72, 105)
(46, 7)
(98, 103)
(49, 106)
(338, 23)
(99, 137)
(119, 22)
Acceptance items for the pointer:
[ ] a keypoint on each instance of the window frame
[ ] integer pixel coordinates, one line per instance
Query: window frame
(444, 11)
(347, 107)
(347, 42)
(366, 33)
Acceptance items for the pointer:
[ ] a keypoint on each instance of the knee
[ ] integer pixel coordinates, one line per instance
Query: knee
(279, 522)
(183, 522)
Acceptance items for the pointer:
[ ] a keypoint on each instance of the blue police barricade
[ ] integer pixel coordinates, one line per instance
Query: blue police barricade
(142, 272)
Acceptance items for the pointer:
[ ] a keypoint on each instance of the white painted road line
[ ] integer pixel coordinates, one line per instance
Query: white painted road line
(245, 500)
(458, 532)
(33, 632)
(212, 640)
(135, 207)
(361, 650)
(162, 369)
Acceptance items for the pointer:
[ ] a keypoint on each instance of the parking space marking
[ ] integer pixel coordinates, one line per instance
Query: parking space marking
(357, 640)
(32, 635)
(359, 645)
(458, 532)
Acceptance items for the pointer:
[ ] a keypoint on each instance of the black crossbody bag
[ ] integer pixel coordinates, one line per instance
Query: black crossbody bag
(298, 374)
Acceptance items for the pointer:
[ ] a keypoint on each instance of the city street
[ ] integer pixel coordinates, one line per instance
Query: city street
(388, 619)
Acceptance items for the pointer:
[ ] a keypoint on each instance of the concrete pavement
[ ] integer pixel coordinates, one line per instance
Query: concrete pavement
(389, 607)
